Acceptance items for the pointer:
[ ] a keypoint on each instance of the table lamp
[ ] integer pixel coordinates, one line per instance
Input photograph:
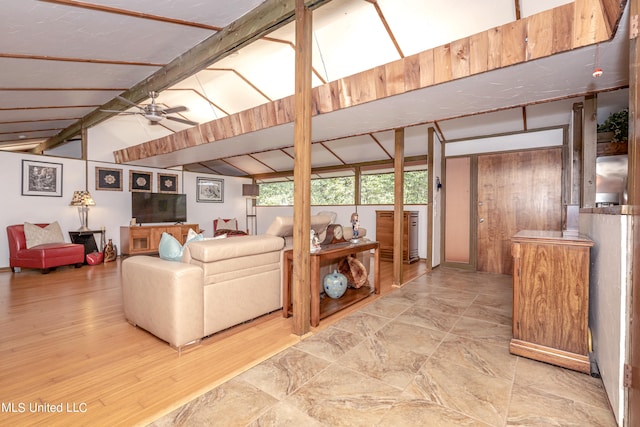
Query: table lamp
(83, 199)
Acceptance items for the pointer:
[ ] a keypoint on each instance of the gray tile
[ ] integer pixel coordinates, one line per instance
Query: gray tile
(479, 396)
(330, 344)
(285, 372)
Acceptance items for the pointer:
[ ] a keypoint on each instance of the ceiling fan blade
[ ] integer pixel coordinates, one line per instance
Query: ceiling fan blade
(181, 120)
(175, 109)
(178, 119)
(120, 112)
(126, 101)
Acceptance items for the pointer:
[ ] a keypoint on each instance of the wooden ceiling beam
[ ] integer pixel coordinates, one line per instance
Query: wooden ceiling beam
(265, 18)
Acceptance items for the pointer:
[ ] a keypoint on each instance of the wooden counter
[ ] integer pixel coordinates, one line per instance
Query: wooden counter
(551, 298)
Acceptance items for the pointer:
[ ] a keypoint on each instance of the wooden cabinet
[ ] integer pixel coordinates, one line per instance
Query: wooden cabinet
(551, 298)
(146, 239)
(384, 235)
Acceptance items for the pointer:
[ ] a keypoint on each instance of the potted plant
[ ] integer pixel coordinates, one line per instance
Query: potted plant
(618, 124)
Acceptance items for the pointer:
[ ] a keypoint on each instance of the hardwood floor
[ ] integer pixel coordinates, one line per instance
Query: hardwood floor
(70, 358)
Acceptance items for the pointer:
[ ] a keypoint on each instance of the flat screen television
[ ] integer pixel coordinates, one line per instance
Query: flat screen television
(149, 208)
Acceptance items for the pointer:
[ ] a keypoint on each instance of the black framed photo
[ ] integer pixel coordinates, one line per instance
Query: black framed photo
(167, 183)
(41, 178)
(140, 181)
(108, 179)
(210, 190)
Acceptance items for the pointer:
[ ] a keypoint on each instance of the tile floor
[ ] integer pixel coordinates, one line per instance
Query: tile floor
(433, 353)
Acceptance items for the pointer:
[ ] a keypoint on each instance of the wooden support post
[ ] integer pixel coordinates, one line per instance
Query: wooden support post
(398, 206)
(589, 149)
(574, 162)
(302, 173)
(430, 189)
(633, 199)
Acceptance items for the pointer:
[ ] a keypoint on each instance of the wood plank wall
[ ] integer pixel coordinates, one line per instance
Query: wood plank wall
(557, 30)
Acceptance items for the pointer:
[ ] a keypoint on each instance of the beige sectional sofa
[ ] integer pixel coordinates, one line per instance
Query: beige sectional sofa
(220, 283)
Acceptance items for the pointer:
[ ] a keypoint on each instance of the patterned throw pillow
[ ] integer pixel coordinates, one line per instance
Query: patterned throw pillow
(36, 235)
(226, 224)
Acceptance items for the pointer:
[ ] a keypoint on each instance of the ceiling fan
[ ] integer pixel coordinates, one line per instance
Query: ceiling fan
(153, 112)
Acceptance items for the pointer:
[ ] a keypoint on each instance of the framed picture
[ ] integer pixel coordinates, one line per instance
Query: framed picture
(41, 178)
(210, 190)
(167, 183)
(108, 179)
(140, 181)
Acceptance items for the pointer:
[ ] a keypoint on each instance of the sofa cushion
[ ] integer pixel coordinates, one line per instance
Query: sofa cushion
(330, 214)
(36, 235)
(283, 225)
(219, 249)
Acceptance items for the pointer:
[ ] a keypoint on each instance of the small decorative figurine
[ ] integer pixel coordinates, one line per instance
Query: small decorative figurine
(315, 242)
(355, 223)
(110, 253)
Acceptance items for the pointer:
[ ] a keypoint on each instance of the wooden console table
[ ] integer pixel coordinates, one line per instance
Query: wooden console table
(321, 308)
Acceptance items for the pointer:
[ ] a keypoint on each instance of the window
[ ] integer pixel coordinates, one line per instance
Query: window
(333, 191)
(377, 188)
(276, 194)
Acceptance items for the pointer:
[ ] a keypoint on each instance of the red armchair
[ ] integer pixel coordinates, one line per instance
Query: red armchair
(45, 257)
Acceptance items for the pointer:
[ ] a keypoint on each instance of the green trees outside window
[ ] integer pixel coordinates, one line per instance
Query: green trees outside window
(375, 189)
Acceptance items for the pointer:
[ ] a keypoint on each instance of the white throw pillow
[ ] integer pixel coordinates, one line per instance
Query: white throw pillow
(36, 235)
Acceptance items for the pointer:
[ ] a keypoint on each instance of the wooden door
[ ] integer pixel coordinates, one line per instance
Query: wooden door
(516, 191)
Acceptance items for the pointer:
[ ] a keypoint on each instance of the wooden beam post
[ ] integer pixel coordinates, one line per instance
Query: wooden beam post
(302, 173)
(589, 148)
(430, 189)
(574, 160)
(633, 199)
(398, 206)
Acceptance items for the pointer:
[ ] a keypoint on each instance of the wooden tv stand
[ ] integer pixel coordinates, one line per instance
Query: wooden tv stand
(144, 239)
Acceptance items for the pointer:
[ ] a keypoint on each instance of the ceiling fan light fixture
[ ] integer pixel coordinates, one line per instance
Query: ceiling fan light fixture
(153, 117)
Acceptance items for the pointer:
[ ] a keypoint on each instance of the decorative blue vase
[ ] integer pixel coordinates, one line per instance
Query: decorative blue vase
(335, 284)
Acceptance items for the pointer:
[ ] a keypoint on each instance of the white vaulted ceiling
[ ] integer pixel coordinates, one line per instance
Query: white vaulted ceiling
(62, 59)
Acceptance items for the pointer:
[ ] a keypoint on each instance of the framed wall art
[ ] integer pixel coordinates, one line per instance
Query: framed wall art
(167, 183)
(41, 178)
(210, 190)
(108, 179)
(140, 181)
